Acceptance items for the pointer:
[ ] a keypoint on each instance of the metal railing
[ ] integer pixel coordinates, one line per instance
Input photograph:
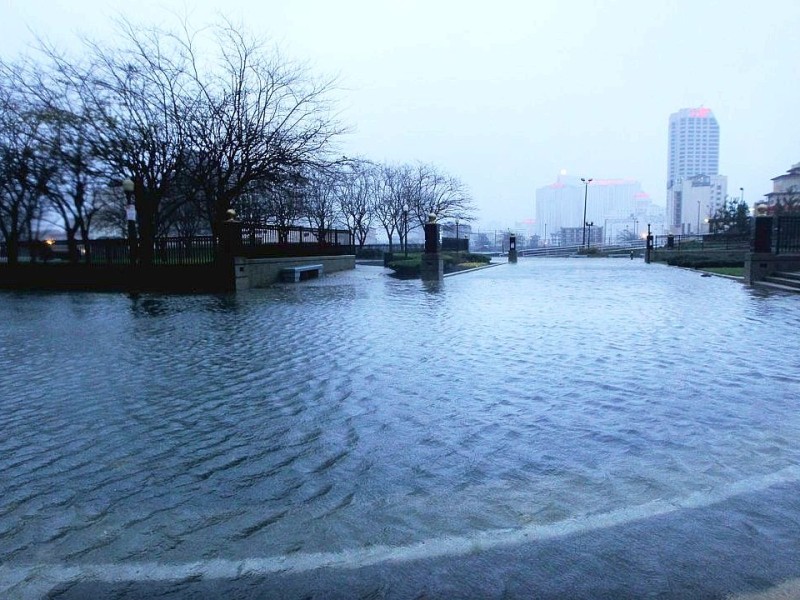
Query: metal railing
(262, 241)
(714, 241)
(787, 234)
(270, 240)
(396, 247)
(260, 235)
(577, 249)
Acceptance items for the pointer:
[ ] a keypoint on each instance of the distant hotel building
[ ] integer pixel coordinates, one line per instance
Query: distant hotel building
(694, 187)
(611, 204)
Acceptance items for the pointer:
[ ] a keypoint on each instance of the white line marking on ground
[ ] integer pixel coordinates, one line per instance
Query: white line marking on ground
(32, 581)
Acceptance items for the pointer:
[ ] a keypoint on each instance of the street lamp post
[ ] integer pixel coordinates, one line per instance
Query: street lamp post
(458, 242)
(405, 228)
(741, 190)
(130, 215)
(586, 183)
(590, 224)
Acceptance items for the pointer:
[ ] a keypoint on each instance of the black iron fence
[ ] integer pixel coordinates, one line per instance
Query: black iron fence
(255, 242)
(271, 241)
(778, 235)
(787, 234)
(269, 234)
(396, 247)
(455, 244)
(713, 241)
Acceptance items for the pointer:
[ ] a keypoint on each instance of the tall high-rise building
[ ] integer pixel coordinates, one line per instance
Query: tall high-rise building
(693, 144)
(693, 151)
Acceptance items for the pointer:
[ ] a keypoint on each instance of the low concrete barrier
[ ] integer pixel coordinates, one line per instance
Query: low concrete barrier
(295, 274)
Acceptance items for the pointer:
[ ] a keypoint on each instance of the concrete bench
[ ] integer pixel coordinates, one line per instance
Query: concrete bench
(301, 273)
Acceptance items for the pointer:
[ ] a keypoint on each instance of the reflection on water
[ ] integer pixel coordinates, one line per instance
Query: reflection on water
(358, 410)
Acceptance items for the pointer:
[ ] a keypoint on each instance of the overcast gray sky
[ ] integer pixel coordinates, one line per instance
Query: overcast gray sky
(505, 94)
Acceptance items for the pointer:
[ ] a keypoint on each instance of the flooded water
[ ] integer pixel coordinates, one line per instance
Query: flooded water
(559, 427)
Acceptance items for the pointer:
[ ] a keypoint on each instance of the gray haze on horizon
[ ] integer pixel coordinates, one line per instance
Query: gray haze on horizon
(506, 94)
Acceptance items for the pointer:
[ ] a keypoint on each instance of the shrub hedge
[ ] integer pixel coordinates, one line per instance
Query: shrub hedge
(409, 268)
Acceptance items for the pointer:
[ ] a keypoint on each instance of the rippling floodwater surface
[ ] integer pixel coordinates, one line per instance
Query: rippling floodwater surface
(556, 427)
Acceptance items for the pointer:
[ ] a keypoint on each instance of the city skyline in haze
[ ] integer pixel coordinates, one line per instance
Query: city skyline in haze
(506, 95)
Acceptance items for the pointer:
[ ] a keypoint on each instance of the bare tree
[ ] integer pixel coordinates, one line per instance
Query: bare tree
(285, 204)
(391, 197)
(65, 142)
(258, 121)
(110, 216)
(26, 165)
(200, 128)
(78, 174)
(434, 193)
(135, 98)
(359, 184)
(320, 201)
(409, 194)
(71, 193)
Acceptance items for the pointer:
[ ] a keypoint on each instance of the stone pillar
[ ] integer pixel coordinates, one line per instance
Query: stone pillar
(230, 238)
(432, 266)
(432, 245)
(229, 246)
(757, 266)
(512, 248)
(762, 235)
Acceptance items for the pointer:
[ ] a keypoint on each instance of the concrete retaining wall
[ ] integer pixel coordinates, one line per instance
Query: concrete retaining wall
(57, 275)
(261, 272)
(758, 265)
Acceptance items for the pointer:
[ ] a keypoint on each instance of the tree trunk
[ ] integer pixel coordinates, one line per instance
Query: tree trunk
(12, 248)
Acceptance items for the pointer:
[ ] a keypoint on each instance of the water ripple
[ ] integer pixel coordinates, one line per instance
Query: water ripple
(358, 409)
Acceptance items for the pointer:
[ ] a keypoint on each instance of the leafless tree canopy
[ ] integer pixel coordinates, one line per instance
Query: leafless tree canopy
(406, 195)
(359, 186)
(202, 121)
(26, 163)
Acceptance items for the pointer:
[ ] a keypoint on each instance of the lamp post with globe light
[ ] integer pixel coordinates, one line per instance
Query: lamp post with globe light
(128, 186)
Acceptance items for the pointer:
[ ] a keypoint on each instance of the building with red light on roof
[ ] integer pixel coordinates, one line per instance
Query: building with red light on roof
(693, 144)
(611, 204)
(695, 189)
